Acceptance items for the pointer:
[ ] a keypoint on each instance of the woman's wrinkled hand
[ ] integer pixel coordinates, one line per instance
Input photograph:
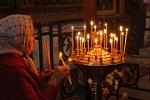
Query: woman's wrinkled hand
(45, 74)
(59, 74)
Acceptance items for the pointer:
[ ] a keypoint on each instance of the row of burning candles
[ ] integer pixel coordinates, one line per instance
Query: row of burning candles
(101, 36)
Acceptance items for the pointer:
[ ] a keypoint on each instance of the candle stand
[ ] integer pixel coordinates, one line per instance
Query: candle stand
(97, 67)
(98, 60)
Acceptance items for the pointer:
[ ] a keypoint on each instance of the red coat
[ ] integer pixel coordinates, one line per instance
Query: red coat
(19, 82)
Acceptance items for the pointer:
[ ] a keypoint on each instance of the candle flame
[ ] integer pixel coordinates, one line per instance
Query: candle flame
(116, 38)
(121, 28)
(122, 33)
(111, 41)
(88, 36)
(60, 54)
(83, 40)
(101, 33)
(105, 24)
(92, 22)
(105, 30)
(127, 29)
(79, 33)
(96, 40)
(95, 26)
(72, 27)
(111, 35)
(80, 38)
(84, 27)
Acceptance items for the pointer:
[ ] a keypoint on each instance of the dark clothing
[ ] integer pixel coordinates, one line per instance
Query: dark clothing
(18, 81)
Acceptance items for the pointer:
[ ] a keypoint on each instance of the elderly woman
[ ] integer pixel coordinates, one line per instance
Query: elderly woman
(19, 78)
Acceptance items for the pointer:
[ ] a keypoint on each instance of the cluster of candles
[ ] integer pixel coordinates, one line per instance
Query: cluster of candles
(98, 41)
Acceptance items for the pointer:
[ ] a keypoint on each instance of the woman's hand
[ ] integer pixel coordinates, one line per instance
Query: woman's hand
(45, 74)
(59, 73)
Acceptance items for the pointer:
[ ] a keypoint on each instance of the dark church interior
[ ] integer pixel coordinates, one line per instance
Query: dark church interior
(104, 43)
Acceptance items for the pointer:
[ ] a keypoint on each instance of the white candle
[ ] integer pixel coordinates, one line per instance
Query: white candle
(105, 38)
(125, 40)
(91, 32)
(72, 39)
(121, 28)
(122, 38)
(101, 41)
(96, 43)
(116, 39)
(63, 62)
(106, 34)
(111, 42)
(80, 43)
(88, 37)
(84, 35)
(95, 28)
(77, 44)
(92, 26)
(83, 44)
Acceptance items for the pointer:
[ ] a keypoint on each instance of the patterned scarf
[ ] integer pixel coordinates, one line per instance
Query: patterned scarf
(15, 32)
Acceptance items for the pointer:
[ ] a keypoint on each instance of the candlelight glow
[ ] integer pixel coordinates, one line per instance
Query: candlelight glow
(88, 36)
(92, 47)
(92, 23)
(72, 27)
(60, 54)
(101, 33)
(96, 41)
(127, 29)
(121, 28)
(95, 27)
(111, 41)
(79, 33)
(84, 27)
(105, 31)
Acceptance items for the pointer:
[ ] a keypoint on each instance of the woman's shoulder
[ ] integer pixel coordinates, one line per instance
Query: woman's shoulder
(11, 60)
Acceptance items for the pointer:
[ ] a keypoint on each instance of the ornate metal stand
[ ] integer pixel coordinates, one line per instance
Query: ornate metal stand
(97, 73)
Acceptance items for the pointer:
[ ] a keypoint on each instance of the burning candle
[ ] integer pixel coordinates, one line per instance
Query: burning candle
(114, 42)
(84, 35)
(111, 42)
(92, 23)
(88, 37)
(79, 33)
(96, 43)
(77, 44)
(83, 43)
(105, 38)
(80, 43)
(121, 28)
(122, 38)
(95, 28)
(101, 41)
(125, 40)
(72, 39)
(106, 34)
(63, 62)
(91, 32)
(116, 39)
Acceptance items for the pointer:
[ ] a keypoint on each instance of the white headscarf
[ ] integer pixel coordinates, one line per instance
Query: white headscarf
(15, 32)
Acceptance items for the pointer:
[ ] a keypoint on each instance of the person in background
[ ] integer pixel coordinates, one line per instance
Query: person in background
(19, 78)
